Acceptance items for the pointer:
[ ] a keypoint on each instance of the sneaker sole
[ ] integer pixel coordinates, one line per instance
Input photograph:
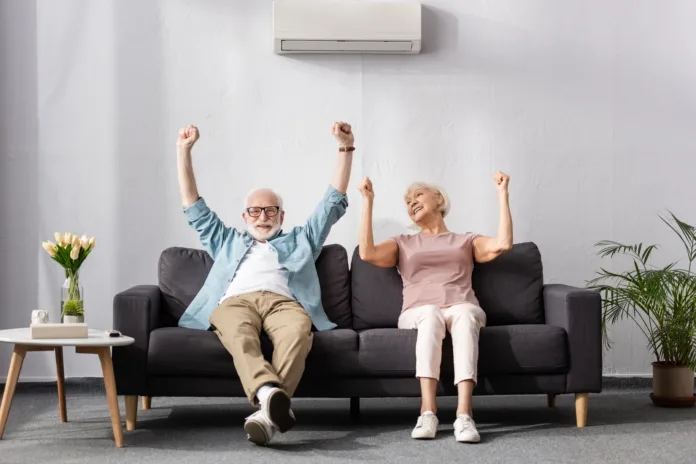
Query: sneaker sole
(278, 410)
(422, 438)
(256, 433)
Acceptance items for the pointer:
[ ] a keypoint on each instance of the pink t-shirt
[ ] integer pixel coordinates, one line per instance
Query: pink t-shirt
(436, 268)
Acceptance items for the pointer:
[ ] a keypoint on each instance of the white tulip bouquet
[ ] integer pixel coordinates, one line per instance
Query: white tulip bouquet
(70, 251)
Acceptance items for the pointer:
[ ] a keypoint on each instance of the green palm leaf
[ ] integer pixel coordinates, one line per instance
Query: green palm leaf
(660, 301)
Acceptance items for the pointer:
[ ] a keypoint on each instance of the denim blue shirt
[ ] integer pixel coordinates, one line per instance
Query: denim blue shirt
(297, 252)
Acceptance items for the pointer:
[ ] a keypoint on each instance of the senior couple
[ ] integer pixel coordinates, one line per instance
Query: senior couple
(265, 279)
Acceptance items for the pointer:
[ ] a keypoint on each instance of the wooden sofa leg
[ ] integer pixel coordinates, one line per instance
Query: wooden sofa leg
(131, 411)
(147, 402)
(581, 408)
(551, 400)
(355, 409)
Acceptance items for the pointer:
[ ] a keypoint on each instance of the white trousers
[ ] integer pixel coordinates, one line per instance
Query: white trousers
(463, 321)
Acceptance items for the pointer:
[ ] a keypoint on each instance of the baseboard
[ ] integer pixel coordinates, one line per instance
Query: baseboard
(39, 383)
(89, 384)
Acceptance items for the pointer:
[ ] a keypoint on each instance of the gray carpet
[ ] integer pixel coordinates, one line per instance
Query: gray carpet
(623, 426)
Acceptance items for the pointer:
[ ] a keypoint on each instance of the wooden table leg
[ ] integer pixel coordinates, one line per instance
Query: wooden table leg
(60, 373)
(111, 396)
(147, 402)
(18, 356)
(104, 353)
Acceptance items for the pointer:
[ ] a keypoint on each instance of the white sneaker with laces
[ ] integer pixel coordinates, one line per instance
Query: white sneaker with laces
(277, 409)
(259, 428)
(465, 430)
(426, 427)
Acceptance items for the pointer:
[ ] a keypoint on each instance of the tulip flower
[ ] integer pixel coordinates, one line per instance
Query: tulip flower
(76, 241)
(84, 242)
(59, 237)
(67, 239)
(91, 243)
(75, 252)
(50, 248)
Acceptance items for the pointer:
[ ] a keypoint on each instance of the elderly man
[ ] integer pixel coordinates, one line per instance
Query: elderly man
(263, 279)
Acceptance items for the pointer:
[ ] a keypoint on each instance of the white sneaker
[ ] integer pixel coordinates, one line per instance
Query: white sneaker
(277, 409)
(426, 427)
(465, 430)
(259, 428)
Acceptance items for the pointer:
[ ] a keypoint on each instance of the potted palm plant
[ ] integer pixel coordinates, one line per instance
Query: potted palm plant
(661, 301)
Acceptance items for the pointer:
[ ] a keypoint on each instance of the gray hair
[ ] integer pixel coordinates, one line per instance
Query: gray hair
(279, 199)
(444, 207)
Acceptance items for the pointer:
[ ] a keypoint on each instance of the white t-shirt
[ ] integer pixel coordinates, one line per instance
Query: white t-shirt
(259, 271)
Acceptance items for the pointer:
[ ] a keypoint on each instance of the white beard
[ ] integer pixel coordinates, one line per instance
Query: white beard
(261, 235)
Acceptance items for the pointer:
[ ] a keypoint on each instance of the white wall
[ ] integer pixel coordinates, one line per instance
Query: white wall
(588, 105)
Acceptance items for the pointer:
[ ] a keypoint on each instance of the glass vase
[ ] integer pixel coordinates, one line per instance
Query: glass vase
(71, 301)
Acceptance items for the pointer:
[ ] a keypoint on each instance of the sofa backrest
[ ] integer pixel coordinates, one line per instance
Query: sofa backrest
(508, 288)
(182, 273)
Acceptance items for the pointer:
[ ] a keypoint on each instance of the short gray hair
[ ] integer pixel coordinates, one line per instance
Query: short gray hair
(279, 199)
(444, 207)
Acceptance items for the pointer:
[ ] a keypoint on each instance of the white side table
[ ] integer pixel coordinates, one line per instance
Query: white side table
(97, 342)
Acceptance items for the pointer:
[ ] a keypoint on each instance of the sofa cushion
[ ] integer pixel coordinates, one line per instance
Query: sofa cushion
(182, 273)
(514, 349)
(377, 294)
(176, 351)
(334, 280)
(510, 288)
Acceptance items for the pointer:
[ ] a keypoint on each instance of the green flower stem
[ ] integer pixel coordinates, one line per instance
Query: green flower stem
(74, 305)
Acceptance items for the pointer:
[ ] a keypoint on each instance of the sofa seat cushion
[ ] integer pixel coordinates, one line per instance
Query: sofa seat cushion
(176, 351)
(512, 349)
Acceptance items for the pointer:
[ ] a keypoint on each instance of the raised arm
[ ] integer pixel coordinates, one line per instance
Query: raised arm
(488, 248)
(346, 140)
(386, 253)
(187, 181)
(212, 232)
(333, 206)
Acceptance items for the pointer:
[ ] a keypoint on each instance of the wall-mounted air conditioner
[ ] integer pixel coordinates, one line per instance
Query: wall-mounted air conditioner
(344, 26)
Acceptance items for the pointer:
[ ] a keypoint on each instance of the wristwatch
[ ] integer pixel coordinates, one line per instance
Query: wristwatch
(346, 149)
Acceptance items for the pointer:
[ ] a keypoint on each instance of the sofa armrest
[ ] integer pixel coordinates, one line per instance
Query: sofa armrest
(136, 314)
(579, 312)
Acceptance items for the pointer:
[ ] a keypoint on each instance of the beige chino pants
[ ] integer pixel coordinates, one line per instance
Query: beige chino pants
(238, 322)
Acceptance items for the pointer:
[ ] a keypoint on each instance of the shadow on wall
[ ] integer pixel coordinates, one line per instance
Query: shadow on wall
(141, 202)
(385, 228)
(19, 210)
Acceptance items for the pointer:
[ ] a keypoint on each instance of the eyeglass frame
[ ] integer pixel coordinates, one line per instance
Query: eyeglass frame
(263, 210)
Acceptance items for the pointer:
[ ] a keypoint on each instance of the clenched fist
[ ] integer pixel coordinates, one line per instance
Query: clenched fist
(365, 189)
(501, 182)
(187, 137)
(343, 133)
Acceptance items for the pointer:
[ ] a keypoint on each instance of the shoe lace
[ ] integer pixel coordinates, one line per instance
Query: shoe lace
(466, 421)
(425, 420)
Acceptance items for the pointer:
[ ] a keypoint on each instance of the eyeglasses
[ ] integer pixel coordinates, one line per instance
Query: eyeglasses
(255, 211)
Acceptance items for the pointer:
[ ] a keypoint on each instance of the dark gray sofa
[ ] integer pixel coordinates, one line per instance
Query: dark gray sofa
(539, 339)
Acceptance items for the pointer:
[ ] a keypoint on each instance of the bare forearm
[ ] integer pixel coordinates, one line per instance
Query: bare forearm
(341, 176)
(505, 238)
(367, 241)
(187, 181)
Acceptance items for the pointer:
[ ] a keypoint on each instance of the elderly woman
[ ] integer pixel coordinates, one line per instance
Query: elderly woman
(436, 266)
